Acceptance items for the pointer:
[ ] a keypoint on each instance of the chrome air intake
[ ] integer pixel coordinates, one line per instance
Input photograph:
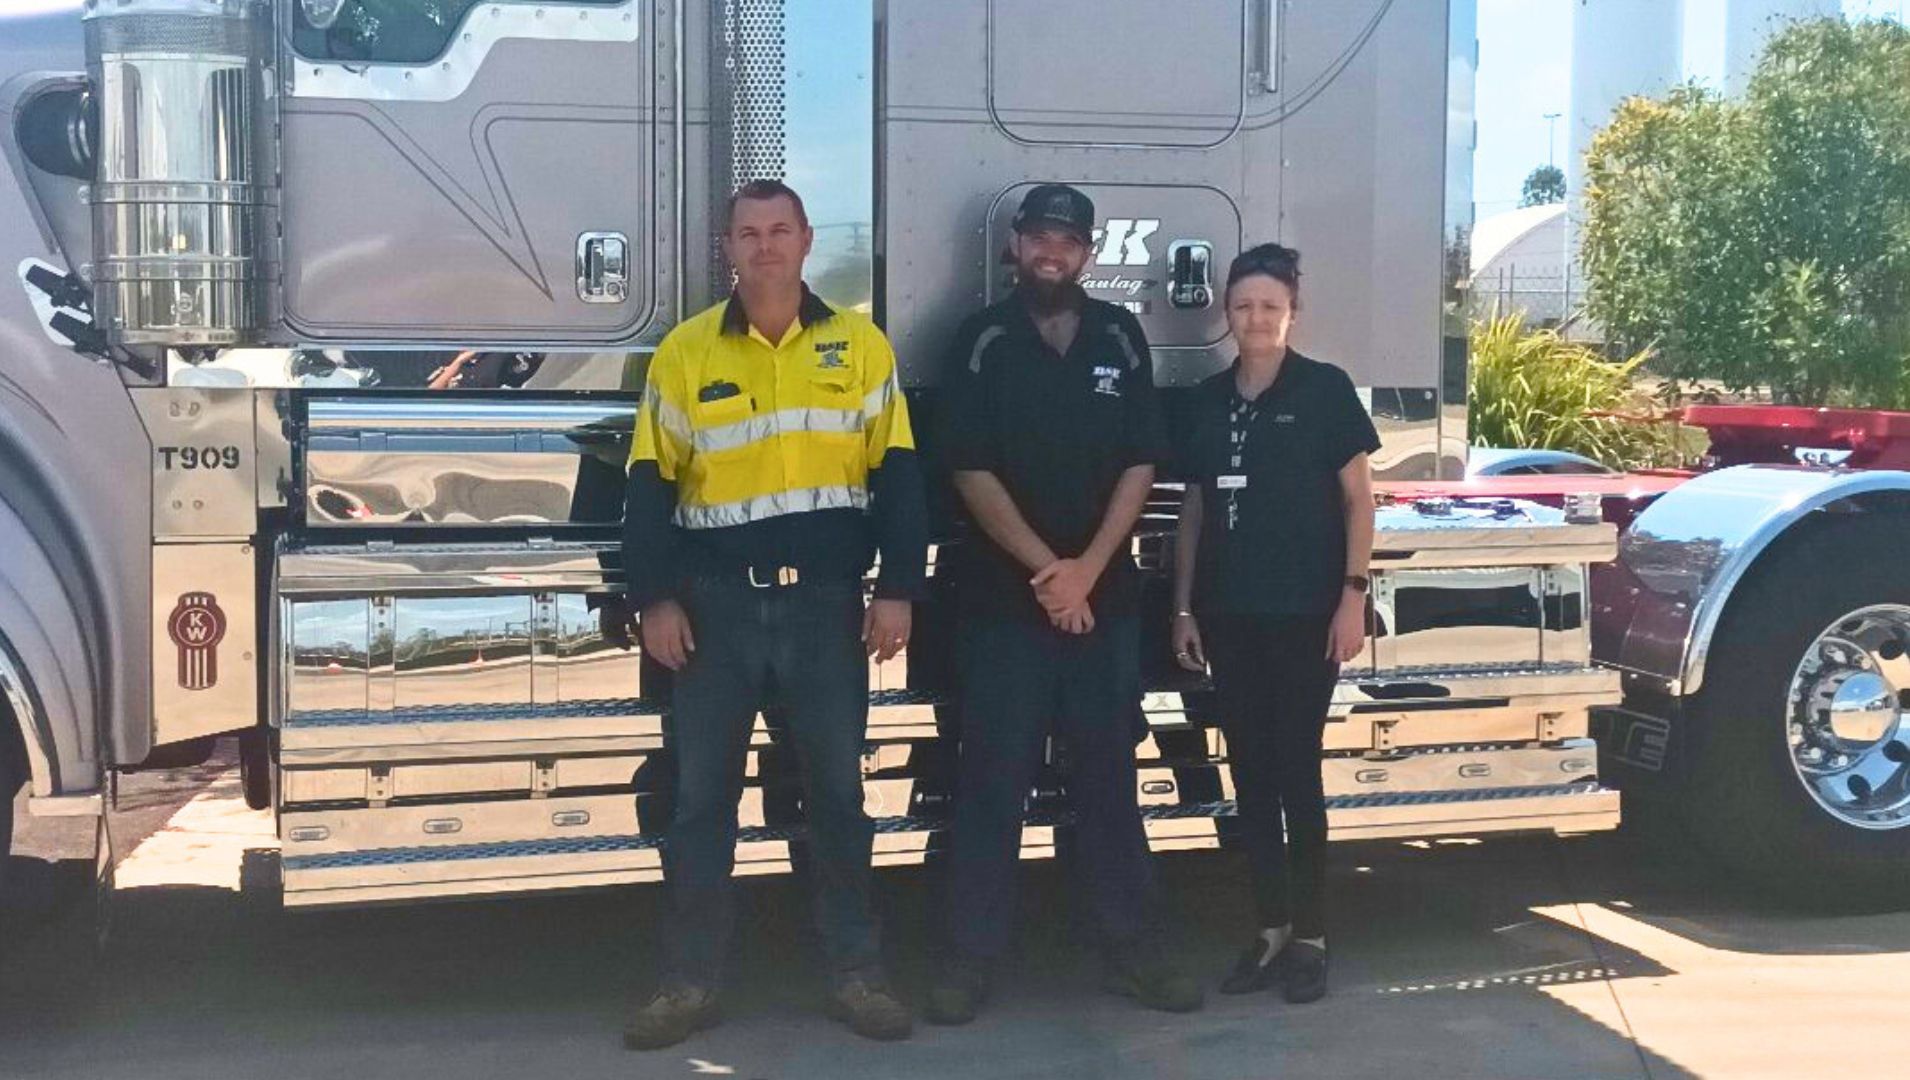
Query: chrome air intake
(185, 172)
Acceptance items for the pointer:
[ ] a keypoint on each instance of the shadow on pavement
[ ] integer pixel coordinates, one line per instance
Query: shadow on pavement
(1443, 965)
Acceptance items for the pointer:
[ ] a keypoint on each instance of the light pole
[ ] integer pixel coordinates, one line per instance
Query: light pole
(1551, 125)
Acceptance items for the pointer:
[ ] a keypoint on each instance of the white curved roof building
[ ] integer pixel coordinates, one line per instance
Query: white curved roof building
(1521, 260)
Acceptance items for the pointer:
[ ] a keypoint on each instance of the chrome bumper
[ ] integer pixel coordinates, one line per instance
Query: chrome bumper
(363, 855)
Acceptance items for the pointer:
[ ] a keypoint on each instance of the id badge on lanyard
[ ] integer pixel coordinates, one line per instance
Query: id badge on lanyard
(1239, 426)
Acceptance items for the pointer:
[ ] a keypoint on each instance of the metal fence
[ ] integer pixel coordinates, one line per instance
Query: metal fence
(1547, 297)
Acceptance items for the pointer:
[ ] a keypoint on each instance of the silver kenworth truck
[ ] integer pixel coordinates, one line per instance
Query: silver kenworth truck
(246, 234)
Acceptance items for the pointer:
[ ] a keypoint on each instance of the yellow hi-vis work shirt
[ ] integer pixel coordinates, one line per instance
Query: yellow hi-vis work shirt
(749, 429)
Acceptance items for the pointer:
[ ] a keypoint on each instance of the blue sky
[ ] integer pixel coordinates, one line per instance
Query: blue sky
(1525, 51)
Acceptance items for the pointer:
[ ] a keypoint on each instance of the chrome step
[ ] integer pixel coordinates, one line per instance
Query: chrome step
(401, 851)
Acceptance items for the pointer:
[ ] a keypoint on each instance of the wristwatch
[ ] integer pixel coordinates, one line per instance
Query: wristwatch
(1359, 582)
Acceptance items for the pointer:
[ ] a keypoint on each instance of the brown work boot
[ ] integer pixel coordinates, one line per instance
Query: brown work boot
(958, 994)
(869, 1009)
(673, 1015)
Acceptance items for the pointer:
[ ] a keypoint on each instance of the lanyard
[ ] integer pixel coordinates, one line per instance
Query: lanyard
(1240, 420)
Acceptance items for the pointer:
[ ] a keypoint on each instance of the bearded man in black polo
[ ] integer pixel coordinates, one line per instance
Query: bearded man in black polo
(1052, 430)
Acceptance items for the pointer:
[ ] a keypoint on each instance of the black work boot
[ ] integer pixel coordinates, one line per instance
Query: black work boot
(1139, 970)
(867, 1006)
(1255, 970)
(958, 993)
(673, 1015)
(1302, 972)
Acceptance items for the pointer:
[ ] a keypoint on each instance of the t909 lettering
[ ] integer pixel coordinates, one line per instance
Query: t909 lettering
(198, 457)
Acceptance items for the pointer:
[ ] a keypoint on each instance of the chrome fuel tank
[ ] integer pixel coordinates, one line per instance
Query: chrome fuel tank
(185, 169)
(422, 464)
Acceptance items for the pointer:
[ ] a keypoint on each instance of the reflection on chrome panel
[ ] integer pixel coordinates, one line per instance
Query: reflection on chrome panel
(383, 462)
(1459, 618)
(459, 656)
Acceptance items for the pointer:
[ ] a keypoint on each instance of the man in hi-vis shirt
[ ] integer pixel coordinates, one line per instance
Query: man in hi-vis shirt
(773, 461)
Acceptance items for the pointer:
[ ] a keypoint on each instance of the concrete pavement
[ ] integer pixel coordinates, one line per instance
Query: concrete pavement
(1514, 958)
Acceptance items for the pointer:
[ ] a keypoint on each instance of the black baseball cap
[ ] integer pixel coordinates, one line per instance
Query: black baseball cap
(1058, 205)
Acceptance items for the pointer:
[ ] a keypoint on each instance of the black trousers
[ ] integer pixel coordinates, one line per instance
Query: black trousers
(1275, 684)
(1022, 680)
(801, 647)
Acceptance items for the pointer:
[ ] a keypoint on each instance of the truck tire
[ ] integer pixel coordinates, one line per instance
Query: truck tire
(257, 778)
(9, 788)
(13, 777)
(1799, 740)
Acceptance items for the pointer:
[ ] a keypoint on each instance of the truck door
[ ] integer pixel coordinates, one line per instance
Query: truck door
(1147, 107)
(1196, 126)
(476, 170)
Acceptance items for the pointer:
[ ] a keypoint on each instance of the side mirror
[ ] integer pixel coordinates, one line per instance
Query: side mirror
(321, 13)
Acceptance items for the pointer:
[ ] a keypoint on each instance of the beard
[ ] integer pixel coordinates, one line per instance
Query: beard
(1046, 297)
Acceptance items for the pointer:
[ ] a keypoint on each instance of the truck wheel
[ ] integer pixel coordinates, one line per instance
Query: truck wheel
(256, 778)
(9, 788)
(1800, 736)
(13, 777)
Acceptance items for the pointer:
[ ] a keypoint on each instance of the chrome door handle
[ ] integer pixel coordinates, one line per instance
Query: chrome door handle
(603, 267)
(1190, 278)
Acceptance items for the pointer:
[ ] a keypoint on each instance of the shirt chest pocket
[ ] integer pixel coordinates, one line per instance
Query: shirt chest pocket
(832, 386)
(832, 380)
(718, 411)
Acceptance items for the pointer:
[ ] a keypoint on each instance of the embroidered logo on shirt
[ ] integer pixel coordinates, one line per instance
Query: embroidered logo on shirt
(1107, 380)
(1283, 418)
(831, 354)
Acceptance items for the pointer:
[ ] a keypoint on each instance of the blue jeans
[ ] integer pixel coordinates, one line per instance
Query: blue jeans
(1022, 680)
(799, 648)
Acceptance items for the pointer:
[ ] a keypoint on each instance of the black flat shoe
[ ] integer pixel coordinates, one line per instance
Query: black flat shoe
(1302, 972)
(1254, 971)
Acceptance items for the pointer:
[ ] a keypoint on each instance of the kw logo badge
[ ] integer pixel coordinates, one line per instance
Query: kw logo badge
(196, 626)
(1123, 242)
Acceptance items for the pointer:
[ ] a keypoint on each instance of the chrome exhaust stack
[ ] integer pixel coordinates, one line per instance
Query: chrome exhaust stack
(185, 175)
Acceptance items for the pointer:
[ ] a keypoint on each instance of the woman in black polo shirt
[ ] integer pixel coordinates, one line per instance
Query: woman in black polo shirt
(1270, 591)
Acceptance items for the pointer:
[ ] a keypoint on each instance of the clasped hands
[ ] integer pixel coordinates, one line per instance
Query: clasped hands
(1063, 587)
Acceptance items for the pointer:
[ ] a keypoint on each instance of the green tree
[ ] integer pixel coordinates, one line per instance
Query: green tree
(1765, 242)
(1545, 185)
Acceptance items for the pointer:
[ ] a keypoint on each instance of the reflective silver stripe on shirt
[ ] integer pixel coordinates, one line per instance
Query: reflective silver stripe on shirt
(795, 501)
(669, 417)
(782, 422)
(877, 400)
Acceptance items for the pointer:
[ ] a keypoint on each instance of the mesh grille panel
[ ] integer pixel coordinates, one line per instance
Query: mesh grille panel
(166, 33)
(753, 56)
(748, 136)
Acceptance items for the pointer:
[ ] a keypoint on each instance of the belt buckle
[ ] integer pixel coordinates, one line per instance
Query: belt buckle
(785, 577)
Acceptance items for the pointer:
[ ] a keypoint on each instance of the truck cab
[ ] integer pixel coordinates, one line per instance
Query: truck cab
(249, 232)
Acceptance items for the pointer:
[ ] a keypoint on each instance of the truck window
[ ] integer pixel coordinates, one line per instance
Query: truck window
(391, 31)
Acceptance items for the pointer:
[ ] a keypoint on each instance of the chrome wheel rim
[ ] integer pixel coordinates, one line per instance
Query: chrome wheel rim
(1849, 732)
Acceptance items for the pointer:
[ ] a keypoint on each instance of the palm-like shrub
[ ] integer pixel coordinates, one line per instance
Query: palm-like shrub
(1533, 388)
